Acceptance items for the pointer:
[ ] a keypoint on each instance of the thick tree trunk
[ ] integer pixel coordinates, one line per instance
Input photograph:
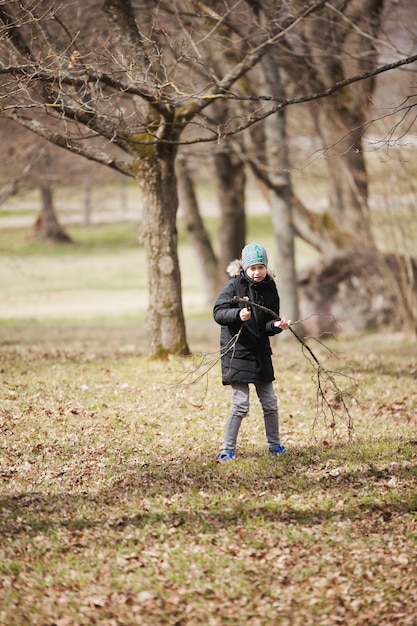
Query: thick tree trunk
(46, 227)
(165, 318)
(196, 231)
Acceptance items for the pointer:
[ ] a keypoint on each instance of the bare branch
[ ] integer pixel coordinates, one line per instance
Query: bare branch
(14, 34)
(282, 103)
(90, 153)
(330, 397)
(88, 77)
(203, 364)
(126, 35)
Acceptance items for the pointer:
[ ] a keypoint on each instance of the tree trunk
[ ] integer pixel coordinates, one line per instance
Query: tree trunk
(165, 318)
(46, 227)
(196, 231)
(231, 180)
(317, 229)
(276, 152)
(337, 48)
(348, 179)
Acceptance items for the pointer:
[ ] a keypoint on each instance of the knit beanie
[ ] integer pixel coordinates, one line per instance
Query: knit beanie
(254, 254)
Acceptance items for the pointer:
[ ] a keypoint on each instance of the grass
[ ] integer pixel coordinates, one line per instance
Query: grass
(103, 274)
(113, 509)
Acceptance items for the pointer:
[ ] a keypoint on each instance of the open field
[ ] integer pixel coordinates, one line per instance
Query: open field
(113, 509)
(102, 275)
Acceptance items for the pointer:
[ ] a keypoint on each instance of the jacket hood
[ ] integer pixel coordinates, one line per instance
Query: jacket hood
(235, 268)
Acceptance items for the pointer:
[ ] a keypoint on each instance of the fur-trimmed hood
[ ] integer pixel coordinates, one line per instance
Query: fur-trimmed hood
(235, 268)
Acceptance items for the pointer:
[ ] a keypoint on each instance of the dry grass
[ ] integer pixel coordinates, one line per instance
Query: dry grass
(113, 510)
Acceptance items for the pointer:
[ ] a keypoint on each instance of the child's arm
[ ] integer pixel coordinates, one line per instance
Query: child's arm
(225, 311)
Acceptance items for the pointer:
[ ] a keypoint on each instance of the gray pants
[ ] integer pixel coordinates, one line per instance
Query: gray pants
(240, 409)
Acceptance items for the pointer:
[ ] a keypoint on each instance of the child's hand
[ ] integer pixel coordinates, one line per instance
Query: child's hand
(244, 314)
(283, 323)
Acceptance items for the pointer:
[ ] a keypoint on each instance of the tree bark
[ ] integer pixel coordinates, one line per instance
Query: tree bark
(231, 180)
(277, 160)
(317, 229)
(348, 179)
(165, 317)
(341, 118)
(154, 167)
(196, 231)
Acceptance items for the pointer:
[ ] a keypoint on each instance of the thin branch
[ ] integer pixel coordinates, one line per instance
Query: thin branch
(33, 72)
(189, 111)
(330, 397)
(76, 147)
(283, 103)
(265, 309)
(200, 371)
(252, 58)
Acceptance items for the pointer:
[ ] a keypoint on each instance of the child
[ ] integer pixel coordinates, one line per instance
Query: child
(245, 346)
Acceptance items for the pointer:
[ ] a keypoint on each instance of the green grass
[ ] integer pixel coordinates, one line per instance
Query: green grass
(113, 509)
(87, 240)
(102, 274)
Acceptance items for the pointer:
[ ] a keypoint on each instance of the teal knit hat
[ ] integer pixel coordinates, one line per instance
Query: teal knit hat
(254, 254)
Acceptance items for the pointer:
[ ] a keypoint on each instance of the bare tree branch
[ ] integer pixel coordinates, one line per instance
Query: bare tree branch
(282, 103)
(330, 397)
(35, 72)
(89, 152)
(331, 400)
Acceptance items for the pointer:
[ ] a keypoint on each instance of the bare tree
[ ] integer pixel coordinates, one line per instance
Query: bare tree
(33, 164)
(340, 42)
(196, 230)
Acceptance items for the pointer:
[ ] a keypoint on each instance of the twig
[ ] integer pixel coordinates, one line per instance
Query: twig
(204, 365)
(329, 395)
(272, 313)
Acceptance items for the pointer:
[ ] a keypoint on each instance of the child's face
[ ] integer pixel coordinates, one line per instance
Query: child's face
(257, 272)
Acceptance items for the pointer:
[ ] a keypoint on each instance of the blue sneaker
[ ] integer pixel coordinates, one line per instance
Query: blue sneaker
(226, 455)
(277, 450)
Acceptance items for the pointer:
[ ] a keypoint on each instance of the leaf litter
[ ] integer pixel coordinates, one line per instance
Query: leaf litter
(114, 511)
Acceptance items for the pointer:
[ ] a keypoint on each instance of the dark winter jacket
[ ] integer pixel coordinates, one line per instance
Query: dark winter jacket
(249, 358)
